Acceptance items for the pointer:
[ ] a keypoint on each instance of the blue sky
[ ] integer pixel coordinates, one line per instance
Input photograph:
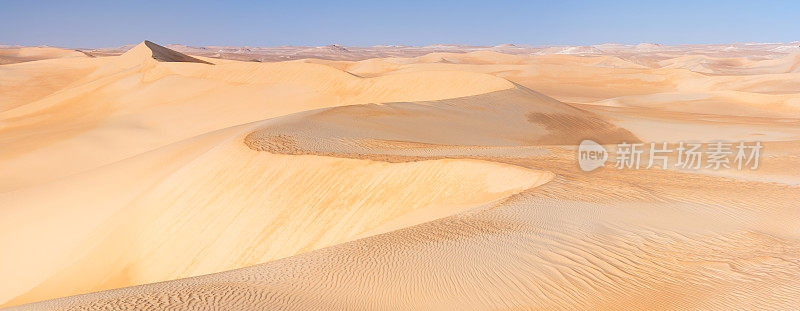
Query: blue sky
(367, 23)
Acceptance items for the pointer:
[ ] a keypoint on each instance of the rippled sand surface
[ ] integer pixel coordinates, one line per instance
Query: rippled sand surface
(439, 179)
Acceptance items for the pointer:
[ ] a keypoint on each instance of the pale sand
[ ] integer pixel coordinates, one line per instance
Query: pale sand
(429, 182)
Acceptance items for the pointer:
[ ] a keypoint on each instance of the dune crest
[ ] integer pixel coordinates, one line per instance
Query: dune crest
(149, 50)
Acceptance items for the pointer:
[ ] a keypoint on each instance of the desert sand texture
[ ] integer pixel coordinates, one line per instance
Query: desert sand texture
(394, 178)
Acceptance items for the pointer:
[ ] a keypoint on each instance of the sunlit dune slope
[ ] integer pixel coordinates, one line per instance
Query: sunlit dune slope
(212, 204)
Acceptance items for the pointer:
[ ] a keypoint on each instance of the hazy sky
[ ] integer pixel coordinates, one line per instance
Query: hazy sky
(366, 23)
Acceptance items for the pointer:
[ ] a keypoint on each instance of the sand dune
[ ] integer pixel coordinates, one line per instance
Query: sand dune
(149, 50)
(15, 54)
(395, 178)
(734, 66)
(515, 117)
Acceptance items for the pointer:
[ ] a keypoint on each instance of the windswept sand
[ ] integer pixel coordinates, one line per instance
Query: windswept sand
(153, 179)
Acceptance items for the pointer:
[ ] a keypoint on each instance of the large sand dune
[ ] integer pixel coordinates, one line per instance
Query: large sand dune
(153, 103)
(395, 178)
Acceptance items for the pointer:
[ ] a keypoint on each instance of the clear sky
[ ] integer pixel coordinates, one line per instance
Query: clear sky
(366, 23)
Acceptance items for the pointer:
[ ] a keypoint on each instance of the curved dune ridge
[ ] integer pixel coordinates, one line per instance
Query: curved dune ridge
(234, 207)
(440, 181)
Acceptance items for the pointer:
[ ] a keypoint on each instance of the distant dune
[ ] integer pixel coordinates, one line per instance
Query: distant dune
(394, 178)
(11, 55)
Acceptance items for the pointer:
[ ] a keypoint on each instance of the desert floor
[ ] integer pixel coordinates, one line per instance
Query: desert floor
(395, 178)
